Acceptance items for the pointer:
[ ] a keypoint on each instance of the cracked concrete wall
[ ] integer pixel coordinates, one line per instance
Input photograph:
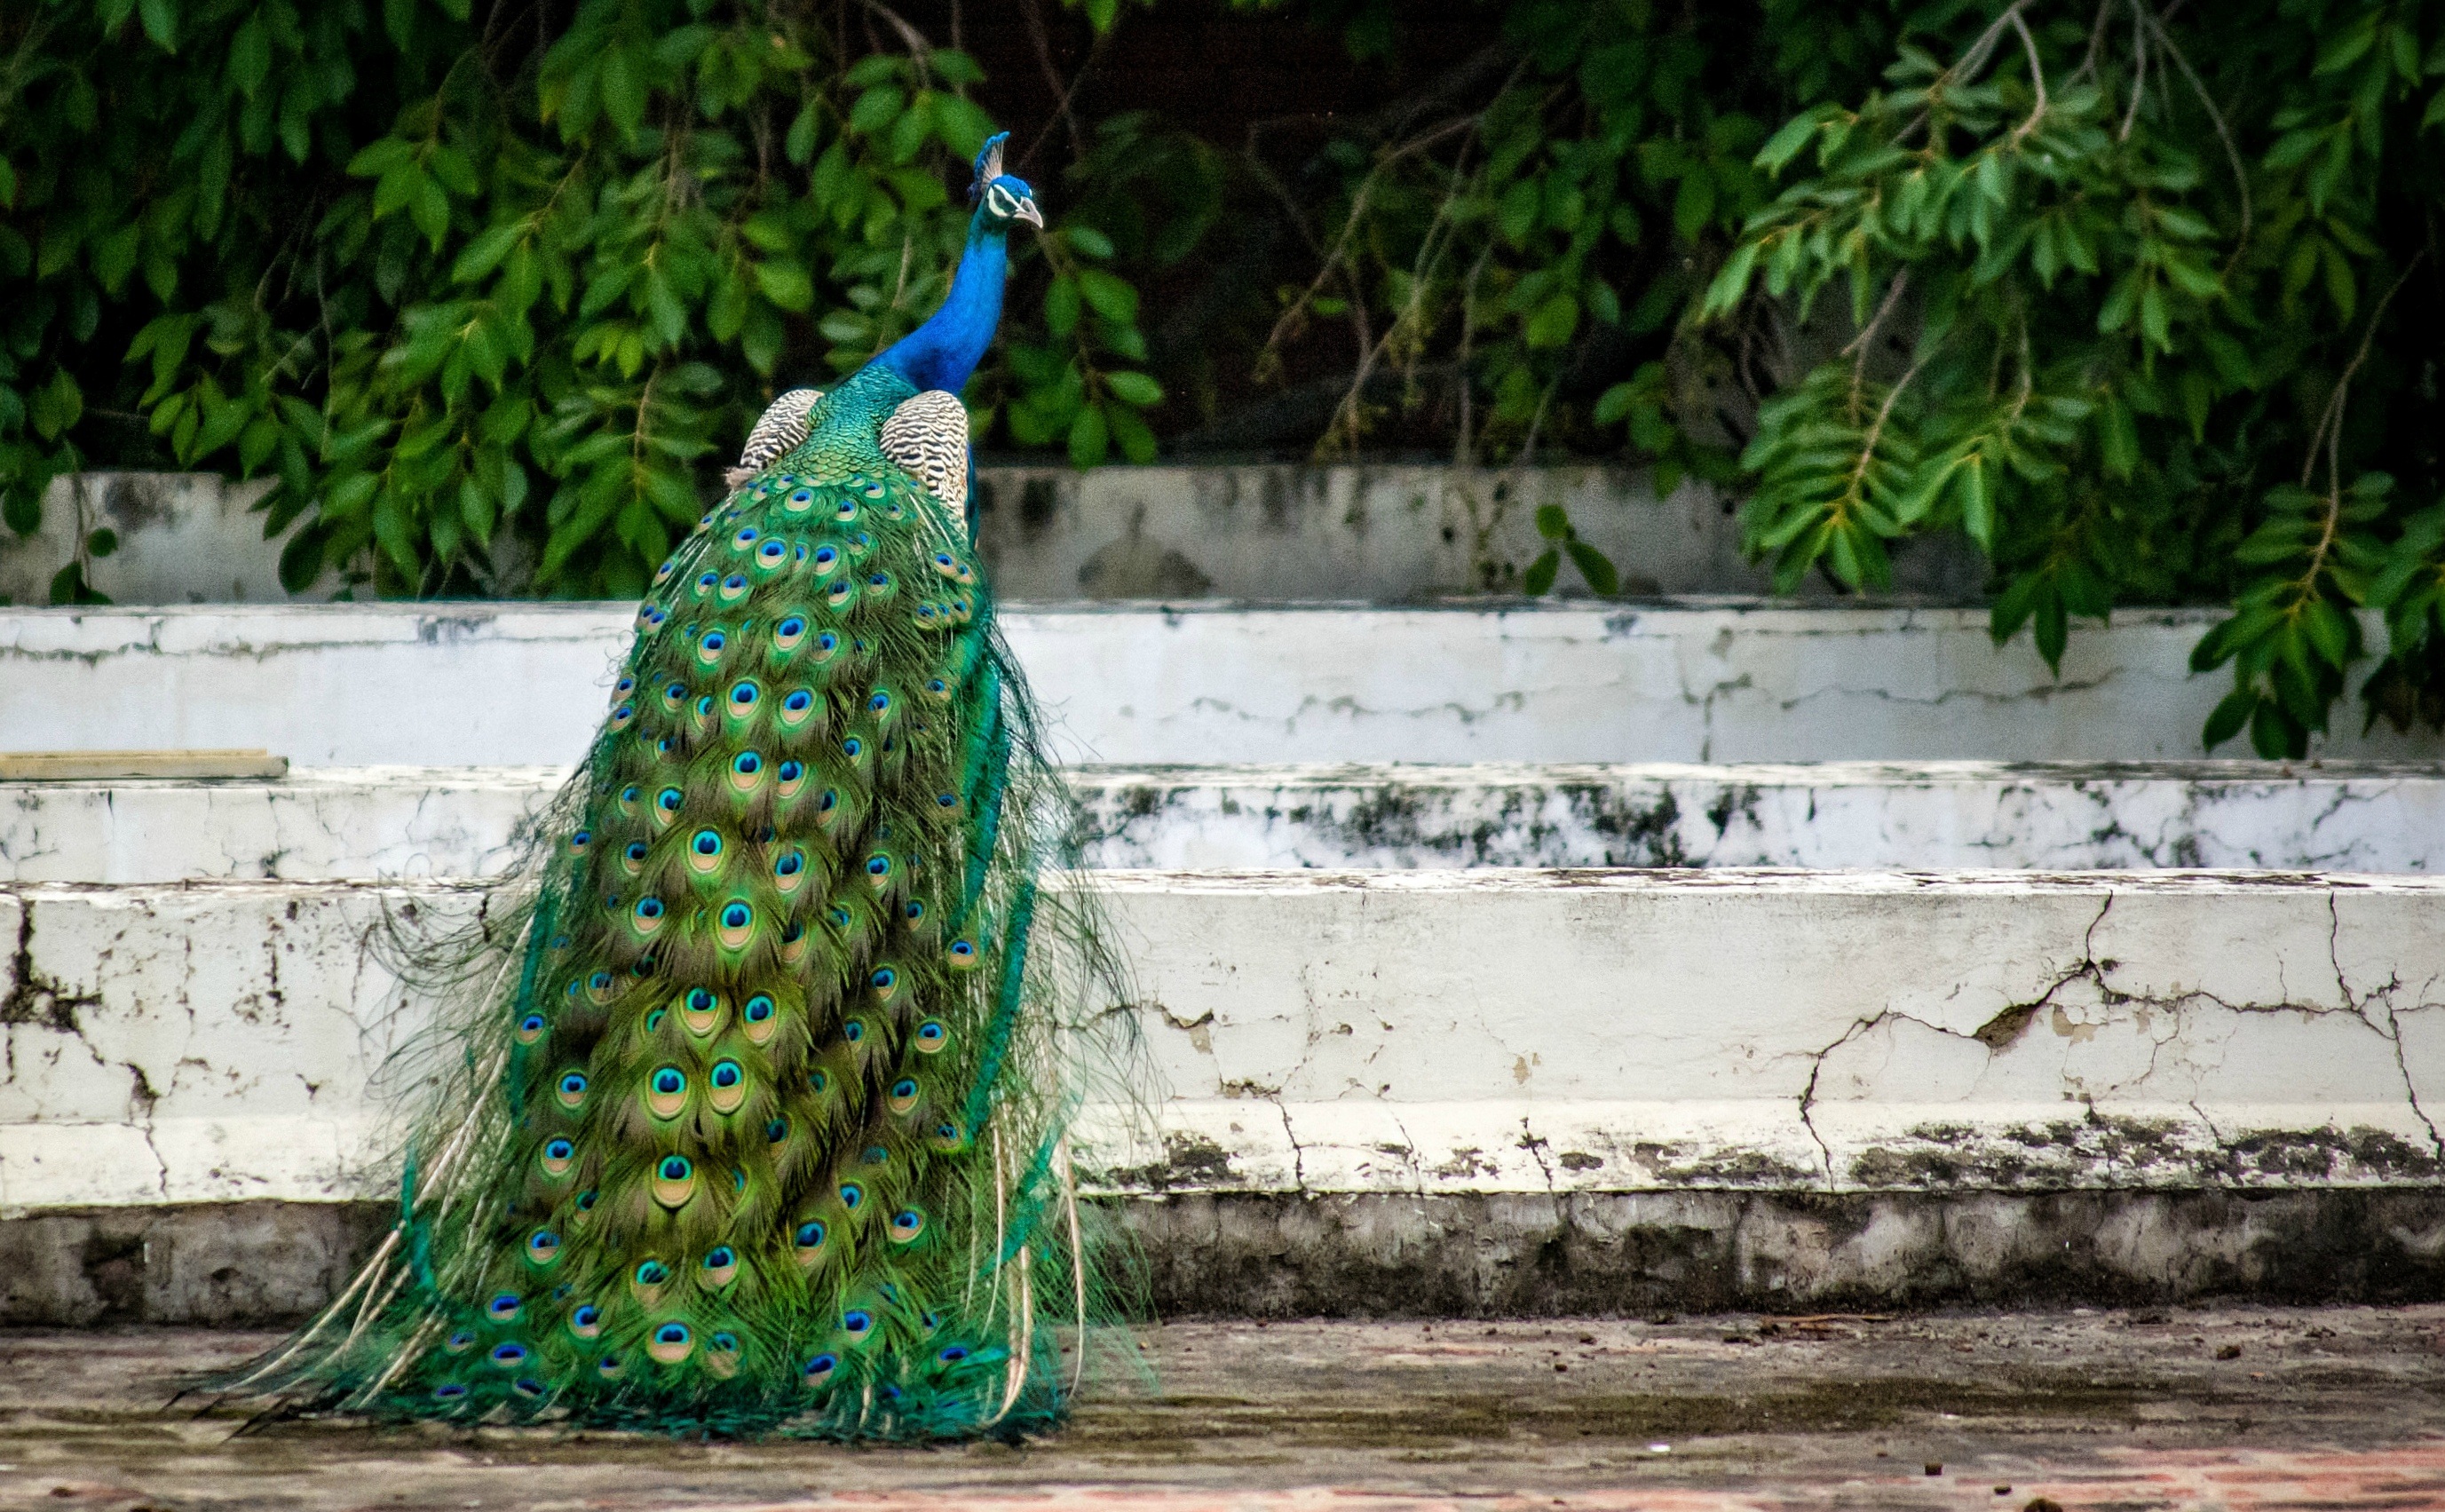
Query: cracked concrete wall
(1422, 1034)
(491, 684)
(375, 822)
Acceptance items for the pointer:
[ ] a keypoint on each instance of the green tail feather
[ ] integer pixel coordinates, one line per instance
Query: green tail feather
(767, 1136)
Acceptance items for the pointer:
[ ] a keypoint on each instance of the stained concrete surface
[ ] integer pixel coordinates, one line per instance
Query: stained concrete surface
(2222, 1407)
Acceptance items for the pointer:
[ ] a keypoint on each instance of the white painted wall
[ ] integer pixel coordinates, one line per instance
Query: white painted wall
(489, 685)
(367, 823)
(1418, 1031)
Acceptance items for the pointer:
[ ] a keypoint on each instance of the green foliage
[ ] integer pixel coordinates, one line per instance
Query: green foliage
(2113, 281)
(2143, 303)
(488, 299)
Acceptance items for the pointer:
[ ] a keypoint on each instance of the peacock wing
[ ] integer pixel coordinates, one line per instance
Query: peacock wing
(777, 433)
(928, 435)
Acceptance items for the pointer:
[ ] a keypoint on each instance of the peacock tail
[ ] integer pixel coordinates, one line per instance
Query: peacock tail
(757, 1121)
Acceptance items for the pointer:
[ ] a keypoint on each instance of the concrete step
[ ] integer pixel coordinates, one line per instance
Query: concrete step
(1419, 1033)
(1673, 680)
(1505, 1090)
(369, 823)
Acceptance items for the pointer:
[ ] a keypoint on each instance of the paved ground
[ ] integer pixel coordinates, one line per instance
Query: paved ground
(2228, 1408)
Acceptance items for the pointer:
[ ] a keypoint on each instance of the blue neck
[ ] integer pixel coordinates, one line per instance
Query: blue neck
(944, 351)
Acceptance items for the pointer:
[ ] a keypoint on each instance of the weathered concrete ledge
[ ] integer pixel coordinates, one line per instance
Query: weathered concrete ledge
(482, 685)
(1414, 1033)
(1498, 1091)
(367, 823)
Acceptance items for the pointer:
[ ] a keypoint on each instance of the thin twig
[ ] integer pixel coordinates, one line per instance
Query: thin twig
(2037, 77)
(2096, 41)
(1042, 38)
(1868, 332)
(2215, 117)
(2330, 423)
(2138, 67)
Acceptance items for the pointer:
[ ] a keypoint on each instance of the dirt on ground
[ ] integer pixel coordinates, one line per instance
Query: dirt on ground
(2228, 1408)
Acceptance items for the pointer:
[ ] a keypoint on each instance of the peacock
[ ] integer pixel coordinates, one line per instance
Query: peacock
(755, 1116)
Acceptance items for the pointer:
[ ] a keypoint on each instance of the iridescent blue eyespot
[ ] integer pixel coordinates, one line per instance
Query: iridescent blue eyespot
(707, 580)
(531, 1024)
(449, 1391)
(699, 1000)
(671, 1334)
(851, 1194)
(758, 1009)
(853, 1031)
(707, 843)
(714, 641)
(573, 1084)
(810, 1234)
(511, 1353)
(559, 1150)
(736, 916)
(600, 982)
(792, 626)
(727, 1074)
(953, 1354)
(636, 850)
(791, 771)
(854, 747)
(799, 701)
(789, 865)
(674, 1168)
(775, 1131)
(649, 908)
(856, 1321)
(668, 1080)
(817, 1369)
(704, 705)
(747, 764)
(883, 978)
(734, 582)
(652, 1273)
(947, 800)
(772, 551)
(669, 799)
(746, 536)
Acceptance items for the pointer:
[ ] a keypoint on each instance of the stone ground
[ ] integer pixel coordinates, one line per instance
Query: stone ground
(2228, 1408)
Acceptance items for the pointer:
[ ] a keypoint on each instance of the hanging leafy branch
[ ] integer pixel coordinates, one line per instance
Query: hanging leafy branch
(2130, 270)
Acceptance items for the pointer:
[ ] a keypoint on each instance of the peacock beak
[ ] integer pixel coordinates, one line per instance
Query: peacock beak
(1028, 212)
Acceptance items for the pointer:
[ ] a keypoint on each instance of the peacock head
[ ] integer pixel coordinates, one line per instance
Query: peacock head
(999, 198)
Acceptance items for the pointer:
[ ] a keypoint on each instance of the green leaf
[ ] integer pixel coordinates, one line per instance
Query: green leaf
(1553, 522)
(1539, 580)
(160, 22)
(1553, 323)
(1135, 388)
(1108, 296)
(1613, 405)
(1596, 566)
(1089, 437)
(2228, 718)
(787, 286)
